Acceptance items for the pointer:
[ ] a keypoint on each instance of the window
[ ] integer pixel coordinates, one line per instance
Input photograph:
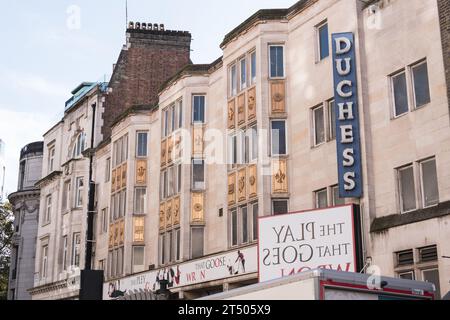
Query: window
(400, 94)
(104, 221)
(48, 209)
(408, 275)
(180, 114)
(199, 109)
(167, 248)
(66, 196)
(51, 159)
(255, 216)
(332, 119)
(120, 150)
(407, 189)
(253, 68)
(172, 181)
(161, 249)
(79, 186)
(244, 225)
(142, 143)
(197, 243)
(322, 33)
(244, 146)
(233, 152)
(405, 258)
(119, 270)
(337, 201)
(243, 68)
(95, 227)
(123, 202)
(76, 242)
(165, 123)
(101, 265)
(164, 184)
(421, 84)
(138, 259)
(21, 174)
(278, 137)
(44, 261)
(140, 196)
(432, 276)
(79, 145)
(279, 207)
(321, 199)
(276, 61)
(233, 80)
(179, 179)
(430, 190)
(177, 247)
(319, 125)
(234, 228)
(108, 170)
(64, 255)
(428, 254)
(254, 143)
(198, 174)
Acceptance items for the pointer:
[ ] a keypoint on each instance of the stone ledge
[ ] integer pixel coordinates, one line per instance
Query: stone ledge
(397, 220)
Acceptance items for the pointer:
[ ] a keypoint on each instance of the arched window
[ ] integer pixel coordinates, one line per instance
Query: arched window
(79, 145)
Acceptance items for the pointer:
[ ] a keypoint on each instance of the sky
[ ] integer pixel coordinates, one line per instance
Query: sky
(49, 47)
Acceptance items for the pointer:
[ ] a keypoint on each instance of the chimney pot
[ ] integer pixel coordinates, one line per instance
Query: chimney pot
(149, 26)
(138, 25)
(131, 25)
(144, 26)
(161, 27)
(155, 27)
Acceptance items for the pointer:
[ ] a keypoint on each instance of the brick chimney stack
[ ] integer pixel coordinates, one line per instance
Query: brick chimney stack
(151, 56)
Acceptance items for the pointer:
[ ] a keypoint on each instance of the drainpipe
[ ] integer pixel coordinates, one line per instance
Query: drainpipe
(91, 204)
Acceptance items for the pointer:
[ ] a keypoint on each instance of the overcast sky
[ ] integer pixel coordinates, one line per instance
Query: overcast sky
(46, 52)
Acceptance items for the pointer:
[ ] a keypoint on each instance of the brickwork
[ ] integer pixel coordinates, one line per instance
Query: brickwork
(444, 21)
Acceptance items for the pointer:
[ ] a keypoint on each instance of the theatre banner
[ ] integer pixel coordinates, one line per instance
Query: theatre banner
(347, 116)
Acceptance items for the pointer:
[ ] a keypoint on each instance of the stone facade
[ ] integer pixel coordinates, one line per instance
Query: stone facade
(175, 194)
(25, 203)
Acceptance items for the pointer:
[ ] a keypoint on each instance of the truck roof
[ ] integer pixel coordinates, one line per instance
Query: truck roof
(356, 279)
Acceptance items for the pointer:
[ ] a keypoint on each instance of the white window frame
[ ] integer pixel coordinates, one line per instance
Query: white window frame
(48, 209)
(413, 87)
(51, 158)
(324, 114)
(76, 249)
(204, 109)
(399, 183)
(233, 91)
(331, 124)
(253, 79)
(318, 44)
(108, 170)
(193, 186)
(78, 192)
(44, 261)
(65, 251)
(286, 138)
(284, 60)
(422, 186)
(392, 87)
(316, 198)
(144, 205)
(243, 85)
(138, 133)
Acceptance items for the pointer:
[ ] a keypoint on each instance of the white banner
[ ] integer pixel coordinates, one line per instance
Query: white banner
(226, 265)
(293, 243)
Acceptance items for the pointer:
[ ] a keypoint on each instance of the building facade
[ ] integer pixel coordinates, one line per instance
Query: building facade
(25, 205)
(184, 173)
(2, 169)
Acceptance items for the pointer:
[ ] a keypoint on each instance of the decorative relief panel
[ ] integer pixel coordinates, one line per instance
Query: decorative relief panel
(279, 176)
(197, 140)
(278, 96)
(169, 214)
(242, 185)
(162, 216)
(232, 189)
(138, 229)
(232, 114)
(118, 178)
(170, 154)
(163, 152)
(121, 227)
(251, 104)
(111, 236)
(198, 208)
(252, 181)
(141, 172)
(124, 175)
(241, 109)
(176, 211)
(178, 147)
(113, 181)
(116, 235)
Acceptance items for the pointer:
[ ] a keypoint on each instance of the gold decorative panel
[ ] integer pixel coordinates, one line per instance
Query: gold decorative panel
(116, 234)
(232, 189)
(163, 152)
(111, 235)
(251, 104)
(169, 214)
(141, 171)
(279, 176)
(198, 210)
(242, 188)
(121, 232)
(241, 109)
(162, 216)
(138, 229)
(176, 211)
(170, 154)
(231, 114)
(124, 175)
(278, 96)
(197, 140)
(118, 178)
(113, 181)
(252, 181)
(178, 147)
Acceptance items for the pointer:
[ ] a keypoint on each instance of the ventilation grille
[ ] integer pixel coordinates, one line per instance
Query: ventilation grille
(405, 258)
(428, 254)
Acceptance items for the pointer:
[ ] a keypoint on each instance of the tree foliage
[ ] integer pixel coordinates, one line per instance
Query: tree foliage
(6, 234)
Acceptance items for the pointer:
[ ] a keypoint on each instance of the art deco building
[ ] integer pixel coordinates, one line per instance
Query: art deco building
(25, 204)
(183, 177)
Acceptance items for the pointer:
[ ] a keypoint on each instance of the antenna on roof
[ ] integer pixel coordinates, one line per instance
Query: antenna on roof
(126, 14)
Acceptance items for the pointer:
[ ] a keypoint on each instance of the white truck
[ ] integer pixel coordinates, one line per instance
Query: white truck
(324, 284)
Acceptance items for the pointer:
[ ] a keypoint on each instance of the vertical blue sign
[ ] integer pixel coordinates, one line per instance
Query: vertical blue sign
(347, 116)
